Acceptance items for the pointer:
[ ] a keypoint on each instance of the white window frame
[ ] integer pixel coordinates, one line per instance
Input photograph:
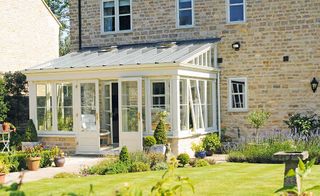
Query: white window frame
(245, 108)
(228, 12)
(117, 18)
(178, 15)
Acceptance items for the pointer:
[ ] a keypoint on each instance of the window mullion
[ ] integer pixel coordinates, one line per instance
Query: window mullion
(54, 106)
(117, 19)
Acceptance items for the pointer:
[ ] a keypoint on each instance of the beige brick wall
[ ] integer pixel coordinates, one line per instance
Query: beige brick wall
(29, 35)
(273, 29)
(67, 144)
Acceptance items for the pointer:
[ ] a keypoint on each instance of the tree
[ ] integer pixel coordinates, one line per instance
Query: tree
(15, 83)
(3, 104)
(257, 119)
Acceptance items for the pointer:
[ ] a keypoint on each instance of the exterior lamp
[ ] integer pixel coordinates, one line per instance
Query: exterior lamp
(314, 84)
(236, 46)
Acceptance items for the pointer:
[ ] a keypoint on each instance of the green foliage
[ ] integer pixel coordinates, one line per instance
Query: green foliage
(46, 158)
(15, 83)
(201, 163)
(139, 157)
(257, 119)
(149, 141)
(197, 147)
(139, 167)
(66, 175)
(124, 155)
(3, 103)
(109, 167)
(211, 142)
(31, 134)
(183, 159)
(4, 168)
(155, 158)
(303, 170)
(160, 133)
(35, 151)
(160, 166)
(303, 124)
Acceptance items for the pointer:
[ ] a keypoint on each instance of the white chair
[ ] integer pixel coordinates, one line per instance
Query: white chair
(5, 139)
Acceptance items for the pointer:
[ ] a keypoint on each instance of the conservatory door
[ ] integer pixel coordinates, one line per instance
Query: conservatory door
(130, 101)
(88, 137)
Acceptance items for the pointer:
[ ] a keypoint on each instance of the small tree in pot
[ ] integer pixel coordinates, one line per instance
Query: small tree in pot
(58, 155)
(199, 150)
(4, 169)
(33, 157)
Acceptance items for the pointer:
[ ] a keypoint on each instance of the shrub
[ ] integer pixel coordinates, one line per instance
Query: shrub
(3, 103)
(109, 167)
(201, 163)
(124, 155)
(160, 133)
(4, 168)
(66, 175)
(160, 166)
(257, 119)
(211, 142)
(155, 158)
(139, 167)
(31, 132)
(303, 124)
(149, 141)
(46, 158)
(184, 159)
(197, 147)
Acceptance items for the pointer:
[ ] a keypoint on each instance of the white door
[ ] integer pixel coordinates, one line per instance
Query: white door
(88, 137)
(130, 110)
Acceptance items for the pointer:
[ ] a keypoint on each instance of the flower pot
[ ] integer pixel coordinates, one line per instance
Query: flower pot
(2, 178)
(59, 161)
(5, 127)
(200, 154)
(209, 152)
(33, 163)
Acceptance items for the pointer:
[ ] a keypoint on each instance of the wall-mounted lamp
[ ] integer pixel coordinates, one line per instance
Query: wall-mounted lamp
(314, 84)
(236, 46)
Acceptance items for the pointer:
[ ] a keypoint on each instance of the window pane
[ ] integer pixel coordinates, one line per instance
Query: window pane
(236, 13)
(210, 106)
(125, 23)
(185, 17)
(44, 107)
(64, 107)
(185, 4)
(124, 7)
(108, 8)
(129, 104)
(88, 107)
(158, 88)
(109, 24)
(236, 1)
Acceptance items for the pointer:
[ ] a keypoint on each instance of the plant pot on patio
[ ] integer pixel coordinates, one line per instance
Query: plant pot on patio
(59, 161)
(33, 163)
(201, 154)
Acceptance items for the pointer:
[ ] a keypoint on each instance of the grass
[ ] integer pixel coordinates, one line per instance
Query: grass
(222, 179)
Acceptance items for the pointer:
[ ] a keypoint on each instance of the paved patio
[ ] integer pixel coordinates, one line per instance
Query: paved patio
(72, 165)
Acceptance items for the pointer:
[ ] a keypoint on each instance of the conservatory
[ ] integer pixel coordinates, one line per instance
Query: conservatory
(90, 100)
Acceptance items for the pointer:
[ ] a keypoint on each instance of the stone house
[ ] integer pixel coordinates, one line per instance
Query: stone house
(207, 62)
(29, 34)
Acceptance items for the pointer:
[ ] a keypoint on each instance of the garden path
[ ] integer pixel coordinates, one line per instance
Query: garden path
(72, 165)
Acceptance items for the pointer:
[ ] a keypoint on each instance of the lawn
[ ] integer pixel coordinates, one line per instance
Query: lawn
(222, 179)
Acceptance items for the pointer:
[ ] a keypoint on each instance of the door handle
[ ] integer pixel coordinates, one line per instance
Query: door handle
(138, 115)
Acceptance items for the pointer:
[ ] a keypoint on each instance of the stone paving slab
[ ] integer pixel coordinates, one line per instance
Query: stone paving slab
(72, 165)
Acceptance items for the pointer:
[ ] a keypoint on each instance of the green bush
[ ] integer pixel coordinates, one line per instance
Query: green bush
(3, 103)
(183, 159)
(160, 166)
(139, 167)
(211, 142)
(201, 163)
(303, 124)
(155, 158)
(124, 155)
(46, 158)
(149, 141)
(109, 167)
(31, 132)
(139, 157)
(160, 133)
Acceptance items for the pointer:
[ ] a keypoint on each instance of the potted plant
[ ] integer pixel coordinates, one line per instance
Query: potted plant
(4, 169)
(160, 134)
(199, 150)
(210, 143)
(58, 155)
(33, 157)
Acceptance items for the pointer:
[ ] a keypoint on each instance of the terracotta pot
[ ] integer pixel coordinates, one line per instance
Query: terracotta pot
(33, 163)
(59, 161)
(5, 127)
(2, 178)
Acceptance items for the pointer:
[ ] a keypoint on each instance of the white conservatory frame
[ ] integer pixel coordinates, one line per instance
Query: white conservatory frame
(201, 65)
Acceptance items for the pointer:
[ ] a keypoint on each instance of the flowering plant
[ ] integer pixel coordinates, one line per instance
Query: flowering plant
(34, 151)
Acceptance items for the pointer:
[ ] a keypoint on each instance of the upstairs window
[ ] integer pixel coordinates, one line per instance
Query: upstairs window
(116, 15)
(185, 13)
(236, 11)
(238, 94)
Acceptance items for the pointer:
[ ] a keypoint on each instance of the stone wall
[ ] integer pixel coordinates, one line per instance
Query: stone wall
(29, 35)
(67, 144)
(272, 30)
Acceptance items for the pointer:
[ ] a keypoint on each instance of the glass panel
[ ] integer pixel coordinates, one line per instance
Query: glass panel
(64, 107)
(124, 7)
(108, 8)
(109, 24)
(236, 1)
(125, 22)
(106, 115)
(158, 88)
(236, 13)
(88, 107)
(129, 95)
(210, 106)
(185, 4)
(44, 107)
(184, 113)
(185, 17)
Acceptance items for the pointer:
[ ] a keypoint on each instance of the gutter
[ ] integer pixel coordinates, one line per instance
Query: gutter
(80, 25)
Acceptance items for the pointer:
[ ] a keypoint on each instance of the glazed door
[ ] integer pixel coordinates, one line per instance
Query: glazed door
(88, 137)
(130, 102)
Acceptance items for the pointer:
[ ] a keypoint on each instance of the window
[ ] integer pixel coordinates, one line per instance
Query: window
(236, 11)
(238, 94)
(185, 13)
(160, 101)
(116, 15)
(64, 107)
(44, 107)
(210, 103)
(184, 105)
